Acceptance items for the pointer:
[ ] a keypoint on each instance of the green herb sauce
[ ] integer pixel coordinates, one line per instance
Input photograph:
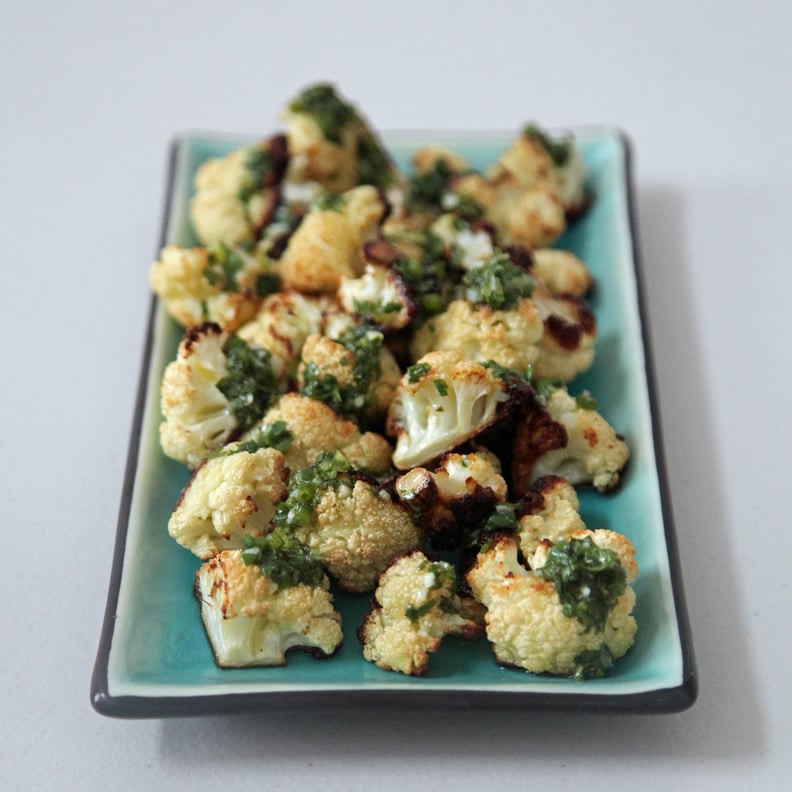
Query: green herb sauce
(283, 559)
(589, 579)
(250, 386)
(329, 111)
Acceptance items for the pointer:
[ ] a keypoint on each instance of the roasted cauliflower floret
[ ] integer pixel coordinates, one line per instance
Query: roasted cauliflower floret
(416, 606)
(327, 246)
(330, 143)
(380, 296)
(348, 519)
(561, 272)
(551, 510)
(529, 217)
(570, 333)
(570, 616)
(535, 159)
(231, 494)
(441, 402)
(454, 497)
(236, 195)
(283, 323)
(477, 332)
(565, 436)
(253, 617)
(217, 387)
(355, 375)
(222, 284)
(315, 428)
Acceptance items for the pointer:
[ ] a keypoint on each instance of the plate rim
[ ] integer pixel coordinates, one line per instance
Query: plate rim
(655, 701)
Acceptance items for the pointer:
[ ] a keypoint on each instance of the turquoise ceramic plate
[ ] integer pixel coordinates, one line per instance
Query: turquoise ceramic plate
(154, 658)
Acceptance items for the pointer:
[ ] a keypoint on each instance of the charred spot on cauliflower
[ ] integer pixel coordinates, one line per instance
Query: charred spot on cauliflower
(561, 435)
(251, 620)
(455, 496)
(416, 605)
(236, 195)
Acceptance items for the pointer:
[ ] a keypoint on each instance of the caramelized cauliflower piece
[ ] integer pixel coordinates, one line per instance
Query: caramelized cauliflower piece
(327, 246)
(379, 295)
(570, 616)
(561, 272)
(478, 332)
(315, 428)
(355, 375)
(283, 323)
(550, 510)
(332, 144)
(198, 284)
(567, 437)
(441, 402)
(348, 519)
(216, 388)
(228, 496)
(253, 620)
(236, 195)
(416, 606)
(454, 497)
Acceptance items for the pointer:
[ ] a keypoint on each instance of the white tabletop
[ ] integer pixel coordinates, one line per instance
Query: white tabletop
(91, 93)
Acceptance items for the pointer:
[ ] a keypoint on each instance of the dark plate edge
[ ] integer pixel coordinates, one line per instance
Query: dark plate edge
(688, 690)
(101, 700)
(661, 701)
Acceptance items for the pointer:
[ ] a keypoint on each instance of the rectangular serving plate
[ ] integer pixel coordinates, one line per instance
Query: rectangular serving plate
(154, 659)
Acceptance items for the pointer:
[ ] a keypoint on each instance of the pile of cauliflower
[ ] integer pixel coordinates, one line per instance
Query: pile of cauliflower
(371, 395)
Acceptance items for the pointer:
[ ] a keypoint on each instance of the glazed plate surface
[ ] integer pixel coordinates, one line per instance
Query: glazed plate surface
(154, 659)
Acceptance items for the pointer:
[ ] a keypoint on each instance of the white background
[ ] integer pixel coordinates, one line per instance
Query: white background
(91, 93)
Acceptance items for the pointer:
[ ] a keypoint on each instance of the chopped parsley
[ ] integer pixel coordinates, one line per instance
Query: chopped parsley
(417, 372)
(259, 167)
(442, 387)
(557, 150)
(463, 205)
(593, 663)
(375, 310)
(426, 189)
(250, 385)
(270, 435)
(306, 486)
(224, 267)
(585, 401)
(428, 280)
(373, 165)
(364, 343)
(589, 579)
(504, 517)
(329, 111)
(283, 559)
(545, 388)
(267, 283)
(329, 202)
(498, 283)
